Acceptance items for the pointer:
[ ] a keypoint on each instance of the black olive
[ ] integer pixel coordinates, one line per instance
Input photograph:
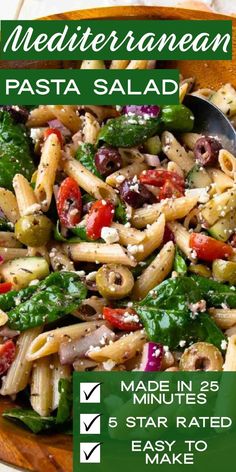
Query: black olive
(107, 160)
(136, 194)
(206, 150)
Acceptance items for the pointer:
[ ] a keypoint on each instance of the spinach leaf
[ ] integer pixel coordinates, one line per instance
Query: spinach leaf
(216, 293)
(57, 295)
(180, 265)
(128, 131)
(65, 402)
(31, 419)
(167, 318)
(85, 154)
(120, 213)
(15, 155)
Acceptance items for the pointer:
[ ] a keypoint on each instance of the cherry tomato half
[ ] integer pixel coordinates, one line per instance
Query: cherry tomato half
(69, 203)
(124, 319)
(56, 131)
(158, 178)
(100, 214)
(5, 287)
(7, 355)
(208, 248)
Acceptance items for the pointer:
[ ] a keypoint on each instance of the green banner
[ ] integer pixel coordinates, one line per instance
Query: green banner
(90, 87)
(116, 39)
(154, 421)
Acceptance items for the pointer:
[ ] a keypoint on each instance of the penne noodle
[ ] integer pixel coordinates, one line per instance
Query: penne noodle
(41, 386)
(156, 272)
(40, 116)
(58, 372)
(172, 208)
(49, 342)
(220, 179)
(8, 239)
(91, 128)
(175, 152)
(18, 374)
(68, 116)
(127, 172)
(230, 357)
(118, 64)
(9, 253)
(227, 163)
(173, 167)
(122, 350)
(183, 89)
(137, 65)
(182, 237)
(95, 64)
(88, 181)
(8, 205)
(153, 238)
(224, 318)
(99, 253)
(128, 235)
(25, 196)
(50, 158)
(218, 207)
(38, 252)
(3, 318)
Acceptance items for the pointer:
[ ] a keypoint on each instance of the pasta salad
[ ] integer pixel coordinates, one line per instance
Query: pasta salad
(117, 247)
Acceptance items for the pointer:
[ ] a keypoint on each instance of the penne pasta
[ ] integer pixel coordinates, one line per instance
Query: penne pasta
(41, 386)
(190, 139)
(230, 357)
(172, 208)
(3, 318)
(96, 252)
(153, 238)
(58, 372)
(128, 235)
(156, 272)
(8, 205)
(175, 152)
(224, 318)
(18, 374)
(8, 239)
(48, 165)
(91, 128)
(182, 237)
(49, 342)
(118, 64)
(127, 172)
(88, 181)
(68, 116)
(227, 163)
(10, 253)
(122, 350)
(220, 180)
(25, 196)
(40, 116)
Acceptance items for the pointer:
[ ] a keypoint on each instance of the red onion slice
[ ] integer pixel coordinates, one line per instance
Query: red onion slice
(150, 110)
(151, 357)
(56, 124)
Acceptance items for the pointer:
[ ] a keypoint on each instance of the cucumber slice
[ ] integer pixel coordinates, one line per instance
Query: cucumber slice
(218, 207)
(198, 177)
(224, 227)
(20, 272)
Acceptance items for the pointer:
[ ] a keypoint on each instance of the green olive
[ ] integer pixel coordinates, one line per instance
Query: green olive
(201, 356)
(114, 281)
(200, 269)
(33, 230)
(224, 271)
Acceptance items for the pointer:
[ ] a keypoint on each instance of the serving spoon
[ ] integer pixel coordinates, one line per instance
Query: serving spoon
(210, 121)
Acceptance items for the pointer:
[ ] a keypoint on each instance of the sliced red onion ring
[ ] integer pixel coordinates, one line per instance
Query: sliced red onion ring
(151, 357)
(152, 160)
(151, 110)
(70, 351)
(1, 260)
(59, 125)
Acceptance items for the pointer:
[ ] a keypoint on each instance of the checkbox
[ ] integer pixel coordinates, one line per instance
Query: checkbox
(90, 423)
(90, 392)
(90, 453)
